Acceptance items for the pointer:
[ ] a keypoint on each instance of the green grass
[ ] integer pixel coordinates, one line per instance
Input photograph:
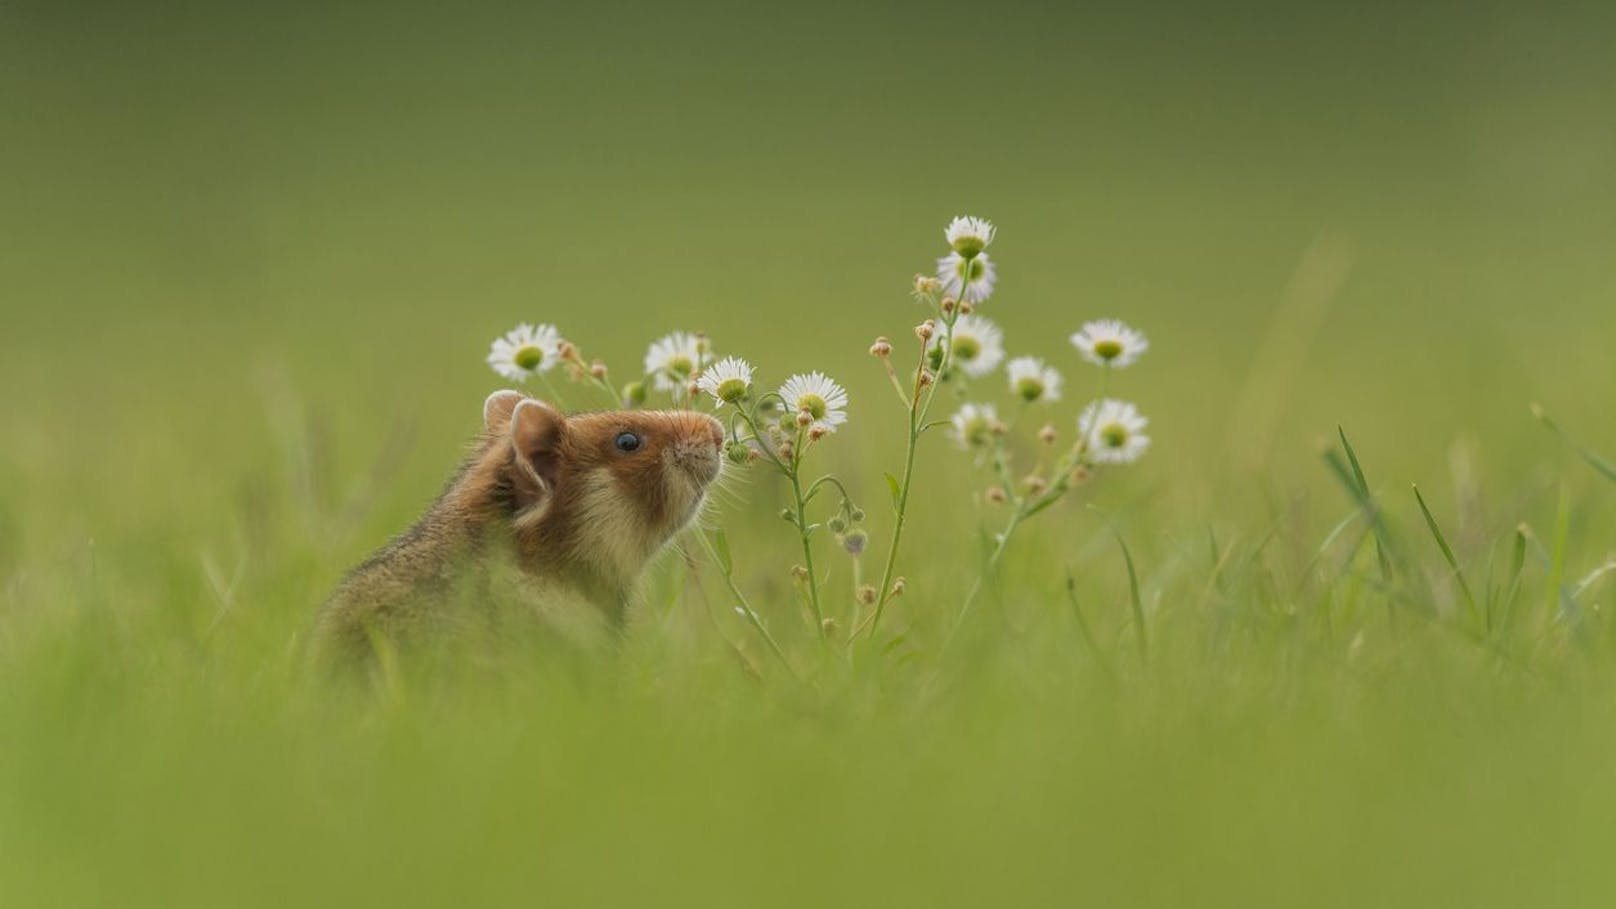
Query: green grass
(252, 260)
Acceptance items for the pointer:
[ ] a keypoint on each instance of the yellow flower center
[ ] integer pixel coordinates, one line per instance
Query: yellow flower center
(976, 431)
(529, 357)
(966, 348)
(813, 405)
(1114, 435)
(731, 390)
(1109, 349)
(680, 365)
(969, 246)
(1031, 388)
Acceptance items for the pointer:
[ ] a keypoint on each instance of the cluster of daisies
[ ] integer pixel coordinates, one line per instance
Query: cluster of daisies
(965, 346)
(960, 347)
(681, 366)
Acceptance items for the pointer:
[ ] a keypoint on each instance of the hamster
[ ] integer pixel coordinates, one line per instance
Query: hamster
(578, 502)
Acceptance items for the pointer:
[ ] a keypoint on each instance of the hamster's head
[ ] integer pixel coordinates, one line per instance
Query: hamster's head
(608, 488)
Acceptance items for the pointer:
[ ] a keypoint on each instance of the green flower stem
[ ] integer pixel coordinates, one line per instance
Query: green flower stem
(746, 607)
(792, 471)
(550, 389)
(802, 529)
(1060, 485)
(988, 570)
(919, 407)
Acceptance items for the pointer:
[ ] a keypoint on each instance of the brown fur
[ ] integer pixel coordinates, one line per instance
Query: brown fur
(553, 492)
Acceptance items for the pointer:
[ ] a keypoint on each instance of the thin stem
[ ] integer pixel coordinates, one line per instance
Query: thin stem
(802, 530)
(987, 571)
(917, 416)
(746, 607)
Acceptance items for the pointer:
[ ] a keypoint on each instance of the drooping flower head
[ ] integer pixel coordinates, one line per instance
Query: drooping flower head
(727, 381)
(965, 279)
(816, 395)
(978, 345)
(1108, 342)
(672, 359)
(1033, 381)
(973, 425)
(1113, 432)
(525, 351)
(969, 236)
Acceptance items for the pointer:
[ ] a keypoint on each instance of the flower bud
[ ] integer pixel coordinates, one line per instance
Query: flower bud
(966, 307)
(925, 330)
(1081, 474)
(995, 495)
(830, 626)
(881, 348)
(836, 524)
(817, 433)
(787, 514)
(927, 377)
(1047, 435)
(1035, 484)
(597, 369)
(738, 452)
(866, 595)
(569, 352)
(857, 515)
(949, 305)
(634, 394)
(855, 542)
(799, 572)
(898, 587)
(804, 418)
(926, 284)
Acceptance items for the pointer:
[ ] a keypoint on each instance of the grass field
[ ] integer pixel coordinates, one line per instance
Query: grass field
(251, 260)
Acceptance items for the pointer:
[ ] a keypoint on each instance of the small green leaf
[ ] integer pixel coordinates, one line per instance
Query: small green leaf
(895, 489)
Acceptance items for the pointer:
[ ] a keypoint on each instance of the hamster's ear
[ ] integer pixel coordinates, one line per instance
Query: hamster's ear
(497, 409)
(536, 430)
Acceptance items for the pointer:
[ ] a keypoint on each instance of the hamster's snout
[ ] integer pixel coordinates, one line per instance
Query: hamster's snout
(700, 452)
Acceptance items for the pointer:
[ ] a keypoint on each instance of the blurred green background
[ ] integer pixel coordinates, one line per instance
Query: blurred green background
(251, 257)
(352, 199)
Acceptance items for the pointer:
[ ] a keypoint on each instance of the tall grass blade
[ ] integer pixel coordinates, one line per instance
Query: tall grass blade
(1448, 556)
(1604, 467)
(1133, 585)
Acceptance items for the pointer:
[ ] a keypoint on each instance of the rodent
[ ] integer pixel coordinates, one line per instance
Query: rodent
(580, 501)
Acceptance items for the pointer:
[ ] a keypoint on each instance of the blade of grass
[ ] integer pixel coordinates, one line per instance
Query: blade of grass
(1604, 467)
(1083, 623)
(1448, 556)
(1133, 586)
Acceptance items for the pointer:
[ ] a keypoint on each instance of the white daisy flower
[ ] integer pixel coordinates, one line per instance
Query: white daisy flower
(671, 360)
(727, 381)
(1031, 380)
(1108, 342)
(978, 345)
(816, 395)
(965, 279)
(525, 351)
(1113, 432)
(973, 425)
(968, 235)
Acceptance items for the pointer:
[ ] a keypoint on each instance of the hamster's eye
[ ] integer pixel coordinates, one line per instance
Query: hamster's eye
(628, 441)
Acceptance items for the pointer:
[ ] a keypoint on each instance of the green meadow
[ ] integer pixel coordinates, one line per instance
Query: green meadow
(251, 260)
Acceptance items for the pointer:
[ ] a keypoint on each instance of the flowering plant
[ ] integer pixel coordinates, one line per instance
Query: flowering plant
(958, 349)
